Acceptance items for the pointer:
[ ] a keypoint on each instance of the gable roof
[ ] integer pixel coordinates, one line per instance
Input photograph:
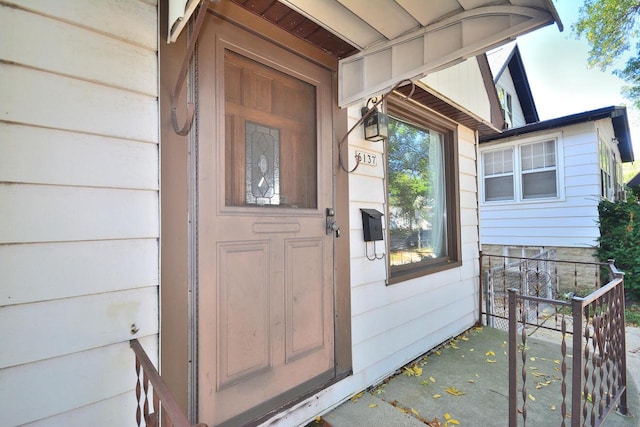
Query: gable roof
(617, 114)
(508, 57)
(635, 181)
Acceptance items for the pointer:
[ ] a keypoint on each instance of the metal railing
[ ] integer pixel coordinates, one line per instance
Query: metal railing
(597, 357)
(157, 397)
(541, 276)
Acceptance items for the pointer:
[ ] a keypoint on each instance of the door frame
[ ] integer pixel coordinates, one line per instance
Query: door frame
(178, 287)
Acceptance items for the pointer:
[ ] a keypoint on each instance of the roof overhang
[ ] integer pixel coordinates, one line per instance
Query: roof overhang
(427, 97)
(408, 39)
(617, 114)
(404, 39)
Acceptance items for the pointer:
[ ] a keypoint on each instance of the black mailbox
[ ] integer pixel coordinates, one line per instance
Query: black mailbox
(372, 224)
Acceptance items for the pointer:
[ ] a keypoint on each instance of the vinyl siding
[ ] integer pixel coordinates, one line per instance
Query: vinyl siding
(569, 221)
(506, 82)
(463, 84)
(79, 206)
(393, 324)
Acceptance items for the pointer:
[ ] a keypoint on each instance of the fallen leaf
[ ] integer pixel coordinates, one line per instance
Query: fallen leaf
(414, 412)
(490, 353)
(433, 380)
(454, 391)
(533, 359)
(355, 397)
(437, 396)
(492, 361)
(552, 407)
(318, 418)
(531, 397)
(471, 349)
(372, 405)
(450, 421)
(417, 370)
(434, 423)
(470, 381)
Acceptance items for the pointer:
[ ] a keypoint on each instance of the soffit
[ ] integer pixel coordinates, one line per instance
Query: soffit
(407, 39)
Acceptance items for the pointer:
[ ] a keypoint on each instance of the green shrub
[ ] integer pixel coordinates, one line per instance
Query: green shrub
(620, 240)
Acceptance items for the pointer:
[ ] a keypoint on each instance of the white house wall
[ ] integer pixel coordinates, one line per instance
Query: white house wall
(463, 84)
(569, 221)
(506, 82)
(79, 207)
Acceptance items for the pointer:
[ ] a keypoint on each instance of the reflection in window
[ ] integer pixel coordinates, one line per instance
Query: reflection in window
(417, 196)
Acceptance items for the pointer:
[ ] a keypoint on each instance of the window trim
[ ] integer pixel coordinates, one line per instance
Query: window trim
(414, 114)
(516, 144)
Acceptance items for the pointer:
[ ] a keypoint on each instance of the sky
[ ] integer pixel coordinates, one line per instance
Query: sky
(560, 78)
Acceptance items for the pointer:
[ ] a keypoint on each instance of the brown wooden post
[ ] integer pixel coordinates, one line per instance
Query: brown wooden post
(513, 361)
(576, 383)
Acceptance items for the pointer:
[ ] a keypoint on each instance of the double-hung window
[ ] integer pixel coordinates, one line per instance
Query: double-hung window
(423, 198)
(538, 161)
(498, 174)
(527, 171)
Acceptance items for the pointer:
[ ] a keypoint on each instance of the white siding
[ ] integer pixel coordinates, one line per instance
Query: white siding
(463, 84)
(569, 221)
(506, 82)
(79, 207)
(393, 324)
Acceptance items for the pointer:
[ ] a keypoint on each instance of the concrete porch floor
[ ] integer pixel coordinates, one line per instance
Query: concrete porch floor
(465, 382)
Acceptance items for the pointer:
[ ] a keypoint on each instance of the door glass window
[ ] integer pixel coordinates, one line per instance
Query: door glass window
(270, 136)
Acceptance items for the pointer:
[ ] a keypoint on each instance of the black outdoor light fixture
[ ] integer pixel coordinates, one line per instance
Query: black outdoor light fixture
(375, 124)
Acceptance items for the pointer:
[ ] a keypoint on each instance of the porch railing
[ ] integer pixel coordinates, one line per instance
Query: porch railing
(597, 357)
(153, 396)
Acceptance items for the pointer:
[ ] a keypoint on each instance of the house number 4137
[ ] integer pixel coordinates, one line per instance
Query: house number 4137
(367, 158)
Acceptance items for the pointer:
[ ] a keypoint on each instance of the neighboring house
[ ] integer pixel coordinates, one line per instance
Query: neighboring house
(540, 184)
(512, 86)
(218, 250)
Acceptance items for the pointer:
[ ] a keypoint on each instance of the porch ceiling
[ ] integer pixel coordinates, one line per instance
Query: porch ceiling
(407, 39)
(382, 42)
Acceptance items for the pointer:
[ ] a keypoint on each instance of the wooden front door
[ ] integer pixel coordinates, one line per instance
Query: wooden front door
(265, 262)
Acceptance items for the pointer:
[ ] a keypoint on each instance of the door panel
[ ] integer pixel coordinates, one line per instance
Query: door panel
(265, 262)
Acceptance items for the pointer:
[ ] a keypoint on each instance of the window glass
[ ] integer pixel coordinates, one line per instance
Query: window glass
(498, 175)
(422, 205)
(538, 162)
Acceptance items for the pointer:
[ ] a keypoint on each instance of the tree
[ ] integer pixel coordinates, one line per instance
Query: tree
(611, 27)
(408, 168)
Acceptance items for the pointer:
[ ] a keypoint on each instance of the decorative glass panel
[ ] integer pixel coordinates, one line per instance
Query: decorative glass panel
(262, 148)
